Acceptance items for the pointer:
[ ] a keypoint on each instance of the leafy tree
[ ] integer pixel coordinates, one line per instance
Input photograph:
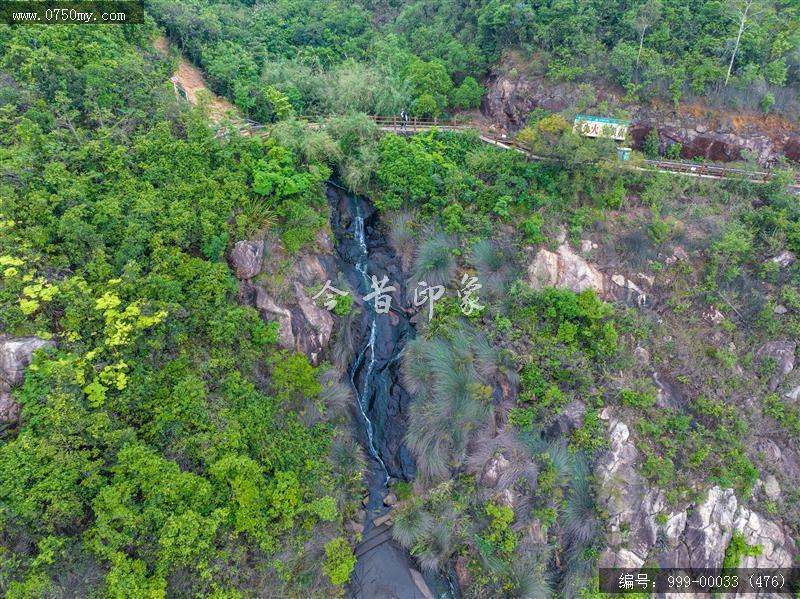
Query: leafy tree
(467, 95)
(429, 81)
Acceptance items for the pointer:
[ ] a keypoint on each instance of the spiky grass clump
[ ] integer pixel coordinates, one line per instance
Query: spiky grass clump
(450, 403)
(348, 464)
(436, 547)
(343, 349)
(434, 262)
(528, 577)
(411, 524)
(491, 362)
(495, 265)
(580, 527)
(401, 236)
(337, 397)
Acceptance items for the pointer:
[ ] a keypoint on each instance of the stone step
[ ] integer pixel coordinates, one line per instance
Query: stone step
(374, 541)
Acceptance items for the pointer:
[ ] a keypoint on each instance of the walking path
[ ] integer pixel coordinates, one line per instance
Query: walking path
(188, 81)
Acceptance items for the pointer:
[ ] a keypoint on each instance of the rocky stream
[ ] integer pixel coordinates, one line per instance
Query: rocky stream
(384, 568)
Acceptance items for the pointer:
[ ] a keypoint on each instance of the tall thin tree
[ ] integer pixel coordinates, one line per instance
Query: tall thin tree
(646, 16)
(742, 11)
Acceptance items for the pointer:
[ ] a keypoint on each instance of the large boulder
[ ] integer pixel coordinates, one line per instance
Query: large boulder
(16, 353)
(311, 325)
(245, 258)
(781, 353)
(565, 269)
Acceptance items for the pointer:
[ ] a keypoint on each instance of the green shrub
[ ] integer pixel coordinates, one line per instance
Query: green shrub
(638, 399)
(651, 144)
(737, 549)
(339, 560)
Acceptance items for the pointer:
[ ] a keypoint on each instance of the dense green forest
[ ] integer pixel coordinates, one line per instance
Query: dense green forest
(427, 55)
(170, 446)
(167, 443)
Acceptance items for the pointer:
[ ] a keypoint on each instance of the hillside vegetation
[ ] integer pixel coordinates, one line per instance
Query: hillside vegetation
(426, 55)
(172, 444)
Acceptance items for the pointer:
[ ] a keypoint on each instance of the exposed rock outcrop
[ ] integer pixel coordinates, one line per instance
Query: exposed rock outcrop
(629, 504)
(16, 353)
(302, 324)
(567, 269)
(512, 95)
(246, 257)
(311, 325)
(695, 537)
(777, 546)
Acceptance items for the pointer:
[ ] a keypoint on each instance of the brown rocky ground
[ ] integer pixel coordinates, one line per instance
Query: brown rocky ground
(517, 86)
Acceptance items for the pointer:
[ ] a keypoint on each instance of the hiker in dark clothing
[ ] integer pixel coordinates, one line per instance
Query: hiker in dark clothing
(403, 118)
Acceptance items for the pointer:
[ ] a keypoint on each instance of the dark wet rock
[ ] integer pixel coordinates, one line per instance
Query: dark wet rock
(568, 420)
(792, 149)
(668, 394)
(245, 258)
(781, 354)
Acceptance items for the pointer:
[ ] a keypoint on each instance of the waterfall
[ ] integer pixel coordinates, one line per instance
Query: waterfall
(386, 568)
(363, 394)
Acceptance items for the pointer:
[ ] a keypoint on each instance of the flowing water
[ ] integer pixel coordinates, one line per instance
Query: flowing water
(381, 399)
(368, 352)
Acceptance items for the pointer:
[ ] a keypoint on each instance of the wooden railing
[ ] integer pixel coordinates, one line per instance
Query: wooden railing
(416, 124)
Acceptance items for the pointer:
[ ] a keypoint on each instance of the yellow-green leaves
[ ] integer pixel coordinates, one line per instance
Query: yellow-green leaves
(36, 294)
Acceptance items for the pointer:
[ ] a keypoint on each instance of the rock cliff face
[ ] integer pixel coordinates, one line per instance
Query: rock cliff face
(566, 269)
(16, 354)
(302, 324)
(695, 537)
(701, 132)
